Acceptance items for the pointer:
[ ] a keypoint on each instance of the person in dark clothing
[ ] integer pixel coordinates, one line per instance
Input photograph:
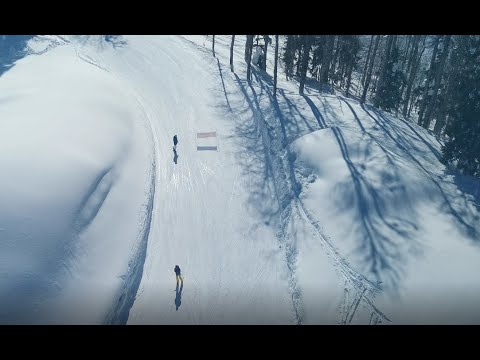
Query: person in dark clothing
(175, 142)
(178, 273)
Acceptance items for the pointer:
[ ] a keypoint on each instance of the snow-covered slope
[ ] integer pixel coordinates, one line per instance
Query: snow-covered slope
(74, 175)
(288, 210)
(204, 219)
(381, 195)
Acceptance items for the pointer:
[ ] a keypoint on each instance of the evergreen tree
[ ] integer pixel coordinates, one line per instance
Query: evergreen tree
(305, 57)
(289, 55)
(463, 128)
(388, 95)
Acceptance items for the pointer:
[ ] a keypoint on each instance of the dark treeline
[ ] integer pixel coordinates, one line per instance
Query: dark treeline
(433, 80)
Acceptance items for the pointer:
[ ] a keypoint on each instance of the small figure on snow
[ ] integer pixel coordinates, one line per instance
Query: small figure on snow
(178, 273)
(175, 142)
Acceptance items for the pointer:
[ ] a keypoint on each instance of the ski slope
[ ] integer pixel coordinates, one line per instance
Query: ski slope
(288, 210)
(202, 219)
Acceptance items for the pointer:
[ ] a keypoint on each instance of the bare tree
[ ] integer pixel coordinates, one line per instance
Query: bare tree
(428, 81)
(383, 68)
(413, 62)
(275, 68)
(438, 77)
(247, 48)
(306, 54)
(370, 69)
(299, 57)
(364, 75)
(326, 60)
(266, 39)
(408, 41)
(249, 60)
(213, 45)
(231, 53)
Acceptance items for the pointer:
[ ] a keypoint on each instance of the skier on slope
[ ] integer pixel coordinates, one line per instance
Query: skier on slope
(178, 273)
(175, 142)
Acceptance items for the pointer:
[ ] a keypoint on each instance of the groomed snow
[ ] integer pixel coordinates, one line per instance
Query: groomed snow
(298, 210)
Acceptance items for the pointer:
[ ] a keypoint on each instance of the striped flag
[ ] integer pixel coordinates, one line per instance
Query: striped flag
(207, 141)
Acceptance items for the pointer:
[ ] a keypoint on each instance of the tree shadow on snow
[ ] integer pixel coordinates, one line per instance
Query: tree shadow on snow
(178, 296)
(454, 205)
(265, 126)
(385, 237)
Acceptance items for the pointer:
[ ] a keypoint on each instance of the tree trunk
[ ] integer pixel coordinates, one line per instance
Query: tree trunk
(275, 68)
(265, 39)
(326, 60)
(213, 45)
(438, 77)
(364, 75)
(370, 69)
(306, 54)
(404, 61)
(335, 57)
(441, 120)
(411, 76)
(383, 68)
(408, 41)
(410, 107)
(299, 59)
(289, 55)
(394, 42)
(328, 63)
(231, 53)
(416, 66)
(249, 60)
(349, 78)
(428, 81)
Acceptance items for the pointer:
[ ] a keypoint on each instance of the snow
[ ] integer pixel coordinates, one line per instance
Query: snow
(72, 189)
(295, 210)
(393, 213)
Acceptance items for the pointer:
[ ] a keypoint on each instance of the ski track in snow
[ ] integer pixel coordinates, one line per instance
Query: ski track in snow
(362, 289)
(357, 289)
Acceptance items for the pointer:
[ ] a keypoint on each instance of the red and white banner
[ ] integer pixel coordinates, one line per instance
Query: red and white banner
(207, 141)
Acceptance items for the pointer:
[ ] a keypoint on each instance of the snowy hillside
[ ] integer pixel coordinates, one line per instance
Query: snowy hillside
(297, 209)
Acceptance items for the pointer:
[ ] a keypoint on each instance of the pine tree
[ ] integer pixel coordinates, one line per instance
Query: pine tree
(365, 66)
(289, 55)
(388, 94)
(412, 69)
(432, 104)
(305, 57)
(429, 81)
(370, 70)
(275, 68)
(349, 58)
(326, 60)
(463, 128)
